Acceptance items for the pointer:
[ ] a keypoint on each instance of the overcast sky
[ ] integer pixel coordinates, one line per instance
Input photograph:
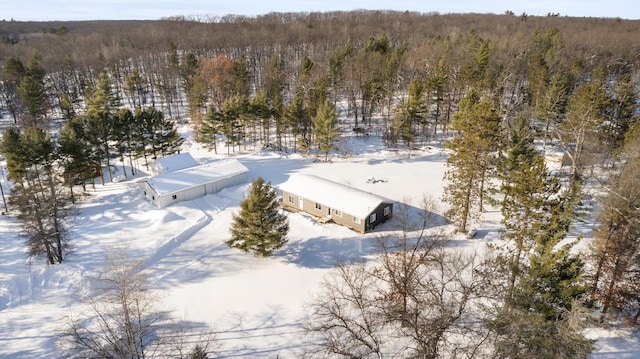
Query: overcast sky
(45, 10)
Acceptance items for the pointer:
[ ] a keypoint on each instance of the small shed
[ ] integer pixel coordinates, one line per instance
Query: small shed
(193, 182)
(172, 163)
(351, 207)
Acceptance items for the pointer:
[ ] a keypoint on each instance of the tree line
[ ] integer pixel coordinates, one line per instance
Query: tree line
(45, 166)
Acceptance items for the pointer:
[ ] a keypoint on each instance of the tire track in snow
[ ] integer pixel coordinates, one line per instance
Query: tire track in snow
(172, 244)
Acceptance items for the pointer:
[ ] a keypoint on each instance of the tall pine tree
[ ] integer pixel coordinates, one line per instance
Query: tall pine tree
(38, 192)
(33, 95)
(540, 313)
(325, 128)
(259, 228)
(615, 253)
(471, 165)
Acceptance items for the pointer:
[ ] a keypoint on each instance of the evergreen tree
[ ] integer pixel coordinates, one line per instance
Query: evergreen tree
(32, 94)
(233, 110)
(17, 156)
(325, 128)
(543, 315)
(13, 73)
(73, 156)
(436, 89)
(579, 131)
(273, 86)
(101, 106)
(553, 105)
(259, 228)
(541, 312)
(472, 163)
(410, 114)
(167, 139)
(622, 112)
(530, 195)
(242, 84)
(258, 109)
(38, 194)
(615, 253)
(123, 137)
(155, 136)
(135, 88)
(210, 128)
(297, 118)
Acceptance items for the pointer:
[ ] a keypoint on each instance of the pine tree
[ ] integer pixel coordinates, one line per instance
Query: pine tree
(325, 128)
(410, 114)
(471, 165)
(122, 137)
(530, 194)
(580, 129)
(259, 228)
(233, 110)
(436, 88)
(296, 116)
(543, 314)
(101, 106)
(242, 84)
(33, 94)
(615, 253)
(258, 109)
(622, 114)
(210, 128)
(13, 73)
(135, 88)
(73, 156)
(540, 313)
(153, 135)
(38, 194)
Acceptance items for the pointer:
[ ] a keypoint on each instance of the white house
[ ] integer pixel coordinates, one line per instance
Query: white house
(172, 163)
(193, 182)
(345, 205)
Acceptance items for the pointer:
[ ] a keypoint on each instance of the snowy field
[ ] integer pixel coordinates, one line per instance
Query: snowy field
(252, 306)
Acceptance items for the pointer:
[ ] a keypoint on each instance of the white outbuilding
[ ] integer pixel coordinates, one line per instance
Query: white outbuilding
(193, 182)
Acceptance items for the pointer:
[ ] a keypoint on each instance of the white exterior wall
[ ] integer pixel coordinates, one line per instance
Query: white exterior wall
(191, 193)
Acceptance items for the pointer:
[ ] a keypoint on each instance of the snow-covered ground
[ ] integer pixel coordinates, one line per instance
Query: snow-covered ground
(252, 306)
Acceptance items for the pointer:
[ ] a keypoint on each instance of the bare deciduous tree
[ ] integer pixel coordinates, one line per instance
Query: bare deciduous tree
(419, 299)
(345, 315)
(123, 319)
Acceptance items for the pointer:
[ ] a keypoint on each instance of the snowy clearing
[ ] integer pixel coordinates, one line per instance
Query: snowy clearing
(252, 305)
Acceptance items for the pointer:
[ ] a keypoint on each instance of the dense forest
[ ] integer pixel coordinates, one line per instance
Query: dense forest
(496, 90)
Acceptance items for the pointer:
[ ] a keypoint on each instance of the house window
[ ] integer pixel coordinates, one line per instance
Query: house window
(145, 193)
(292, 199)
(387, 210)
(373, 217)
(153, 198)
(337, 213)
(357, 220)
(318, 206)
(175, 196)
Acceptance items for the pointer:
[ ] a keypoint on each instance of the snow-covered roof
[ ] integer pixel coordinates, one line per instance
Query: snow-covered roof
(333, 194)
(174, 163)
(176, 181)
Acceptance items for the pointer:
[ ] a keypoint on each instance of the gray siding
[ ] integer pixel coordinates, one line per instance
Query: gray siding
(362, 225)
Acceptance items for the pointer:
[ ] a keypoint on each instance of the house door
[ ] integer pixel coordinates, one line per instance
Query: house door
(328, 212)
(301, 203)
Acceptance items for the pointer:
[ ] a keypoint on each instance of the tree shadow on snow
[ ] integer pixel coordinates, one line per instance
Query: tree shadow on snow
(327, 251)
